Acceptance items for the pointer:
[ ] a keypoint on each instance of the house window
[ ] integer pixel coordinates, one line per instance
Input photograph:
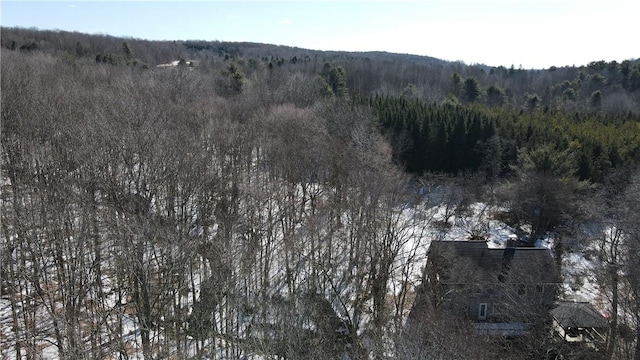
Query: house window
(482, 311)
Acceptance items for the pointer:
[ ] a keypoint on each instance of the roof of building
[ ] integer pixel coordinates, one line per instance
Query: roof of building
(578, 315)
(472, 262)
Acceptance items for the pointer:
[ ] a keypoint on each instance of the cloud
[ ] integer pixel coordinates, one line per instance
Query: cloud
(285, 22)
(71, 5)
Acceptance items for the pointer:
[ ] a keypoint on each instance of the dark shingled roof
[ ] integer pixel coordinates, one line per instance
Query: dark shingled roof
(472, 261)
(578, 315)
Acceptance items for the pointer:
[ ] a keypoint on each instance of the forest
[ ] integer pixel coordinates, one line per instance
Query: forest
(225, 200)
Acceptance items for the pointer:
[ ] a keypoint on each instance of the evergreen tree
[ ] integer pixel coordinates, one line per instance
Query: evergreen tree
(334, 80)
(634, 80)
(625, 70)
(471, 89)
(596, 100)
(232, 80)
(495, 96)
(128, 52)
(531, 101)
(456, 84)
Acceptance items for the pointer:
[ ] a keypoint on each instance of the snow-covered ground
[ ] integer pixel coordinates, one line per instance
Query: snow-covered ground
(419, 225)
(580, 283)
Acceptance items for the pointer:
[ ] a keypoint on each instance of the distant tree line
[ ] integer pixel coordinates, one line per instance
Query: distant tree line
(600, 86)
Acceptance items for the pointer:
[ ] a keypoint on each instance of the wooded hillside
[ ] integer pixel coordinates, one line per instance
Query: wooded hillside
(257, 200)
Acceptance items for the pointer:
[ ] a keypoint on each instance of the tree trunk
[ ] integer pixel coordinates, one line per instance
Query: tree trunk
(613, 326)
(143, 301)
(637, 354)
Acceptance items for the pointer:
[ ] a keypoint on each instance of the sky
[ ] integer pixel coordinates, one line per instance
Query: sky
(532, 34)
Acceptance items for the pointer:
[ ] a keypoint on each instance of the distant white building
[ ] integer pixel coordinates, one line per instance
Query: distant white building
(189, 63)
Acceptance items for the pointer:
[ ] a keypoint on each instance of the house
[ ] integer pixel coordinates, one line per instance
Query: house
(579, 322)
(501, 291)
(189, 63)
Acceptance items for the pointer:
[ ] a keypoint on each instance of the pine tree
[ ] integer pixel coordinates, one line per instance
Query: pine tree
(128, 52)
(471, 89)
(596, 100)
